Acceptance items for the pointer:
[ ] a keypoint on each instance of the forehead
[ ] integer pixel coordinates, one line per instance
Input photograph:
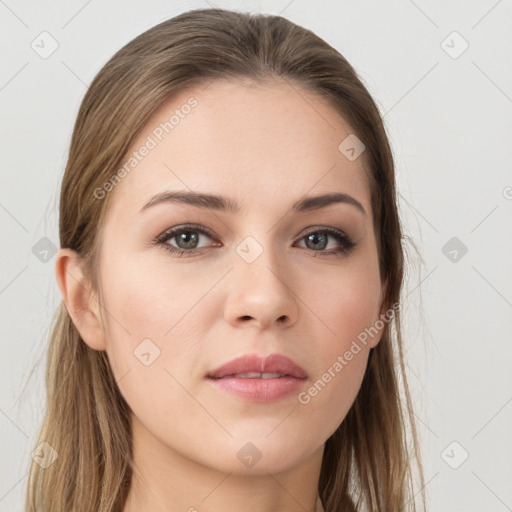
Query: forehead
(261, 144)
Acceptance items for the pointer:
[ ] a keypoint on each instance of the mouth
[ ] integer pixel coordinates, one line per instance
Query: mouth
(254, 366)
(259, 379)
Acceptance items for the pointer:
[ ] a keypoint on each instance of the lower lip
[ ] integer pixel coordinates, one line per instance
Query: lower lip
(259, 390)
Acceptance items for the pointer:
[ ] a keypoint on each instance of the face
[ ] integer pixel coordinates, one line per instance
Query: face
(188, 288)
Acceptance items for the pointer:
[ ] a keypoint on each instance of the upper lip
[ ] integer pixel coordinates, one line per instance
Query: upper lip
(273, 363)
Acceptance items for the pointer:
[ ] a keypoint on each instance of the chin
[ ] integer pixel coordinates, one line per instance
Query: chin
(259, 457)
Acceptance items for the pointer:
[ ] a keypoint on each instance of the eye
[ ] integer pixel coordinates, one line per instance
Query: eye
(318, 241)
(186, 239)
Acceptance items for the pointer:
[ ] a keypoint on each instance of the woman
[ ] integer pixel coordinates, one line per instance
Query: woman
(230, 268)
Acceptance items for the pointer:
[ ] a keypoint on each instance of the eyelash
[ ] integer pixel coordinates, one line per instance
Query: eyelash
(346, 243)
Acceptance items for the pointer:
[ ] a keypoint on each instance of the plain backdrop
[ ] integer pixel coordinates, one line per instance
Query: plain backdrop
(441, 74)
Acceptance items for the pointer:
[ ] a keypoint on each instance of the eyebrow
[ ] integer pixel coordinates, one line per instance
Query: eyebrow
(220, 203)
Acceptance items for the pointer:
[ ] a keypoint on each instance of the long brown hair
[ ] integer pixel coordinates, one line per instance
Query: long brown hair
(369, 460)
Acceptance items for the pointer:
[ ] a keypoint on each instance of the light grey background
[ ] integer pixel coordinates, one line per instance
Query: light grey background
(449, 118)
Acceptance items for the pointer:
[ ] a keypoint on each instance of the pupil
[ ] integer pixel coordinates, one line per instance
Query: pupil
(189, 238)
(315, 238)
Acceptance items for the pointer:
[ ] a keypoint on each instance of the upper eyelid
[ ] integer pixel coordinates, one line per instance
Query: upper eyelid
(177, 229)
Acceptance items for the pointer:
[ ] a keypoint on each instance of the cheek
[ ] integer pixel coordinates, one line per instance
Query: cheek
(348, 307)
(135, 315)
(148, 301)
(154, 321)
(348, 302)
(150, 339)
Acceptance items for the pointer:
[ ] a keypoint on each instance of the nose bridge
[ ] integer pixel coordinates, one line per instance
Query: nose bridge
(258, 260)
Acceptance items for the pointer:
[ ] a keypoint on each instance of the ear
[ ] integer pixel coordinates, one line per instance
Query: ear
(80, 299)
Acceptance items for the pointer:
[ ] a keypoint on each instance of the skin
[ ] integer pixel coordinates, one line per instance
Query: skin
(264, 146)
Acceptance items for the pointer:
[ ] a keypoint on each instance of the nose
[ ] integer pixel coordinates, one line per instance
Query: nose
(261, 293)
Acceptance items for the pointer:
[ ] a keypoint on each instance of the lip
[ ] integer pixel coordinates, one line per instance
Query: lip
(273, 363)
(258, 389)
